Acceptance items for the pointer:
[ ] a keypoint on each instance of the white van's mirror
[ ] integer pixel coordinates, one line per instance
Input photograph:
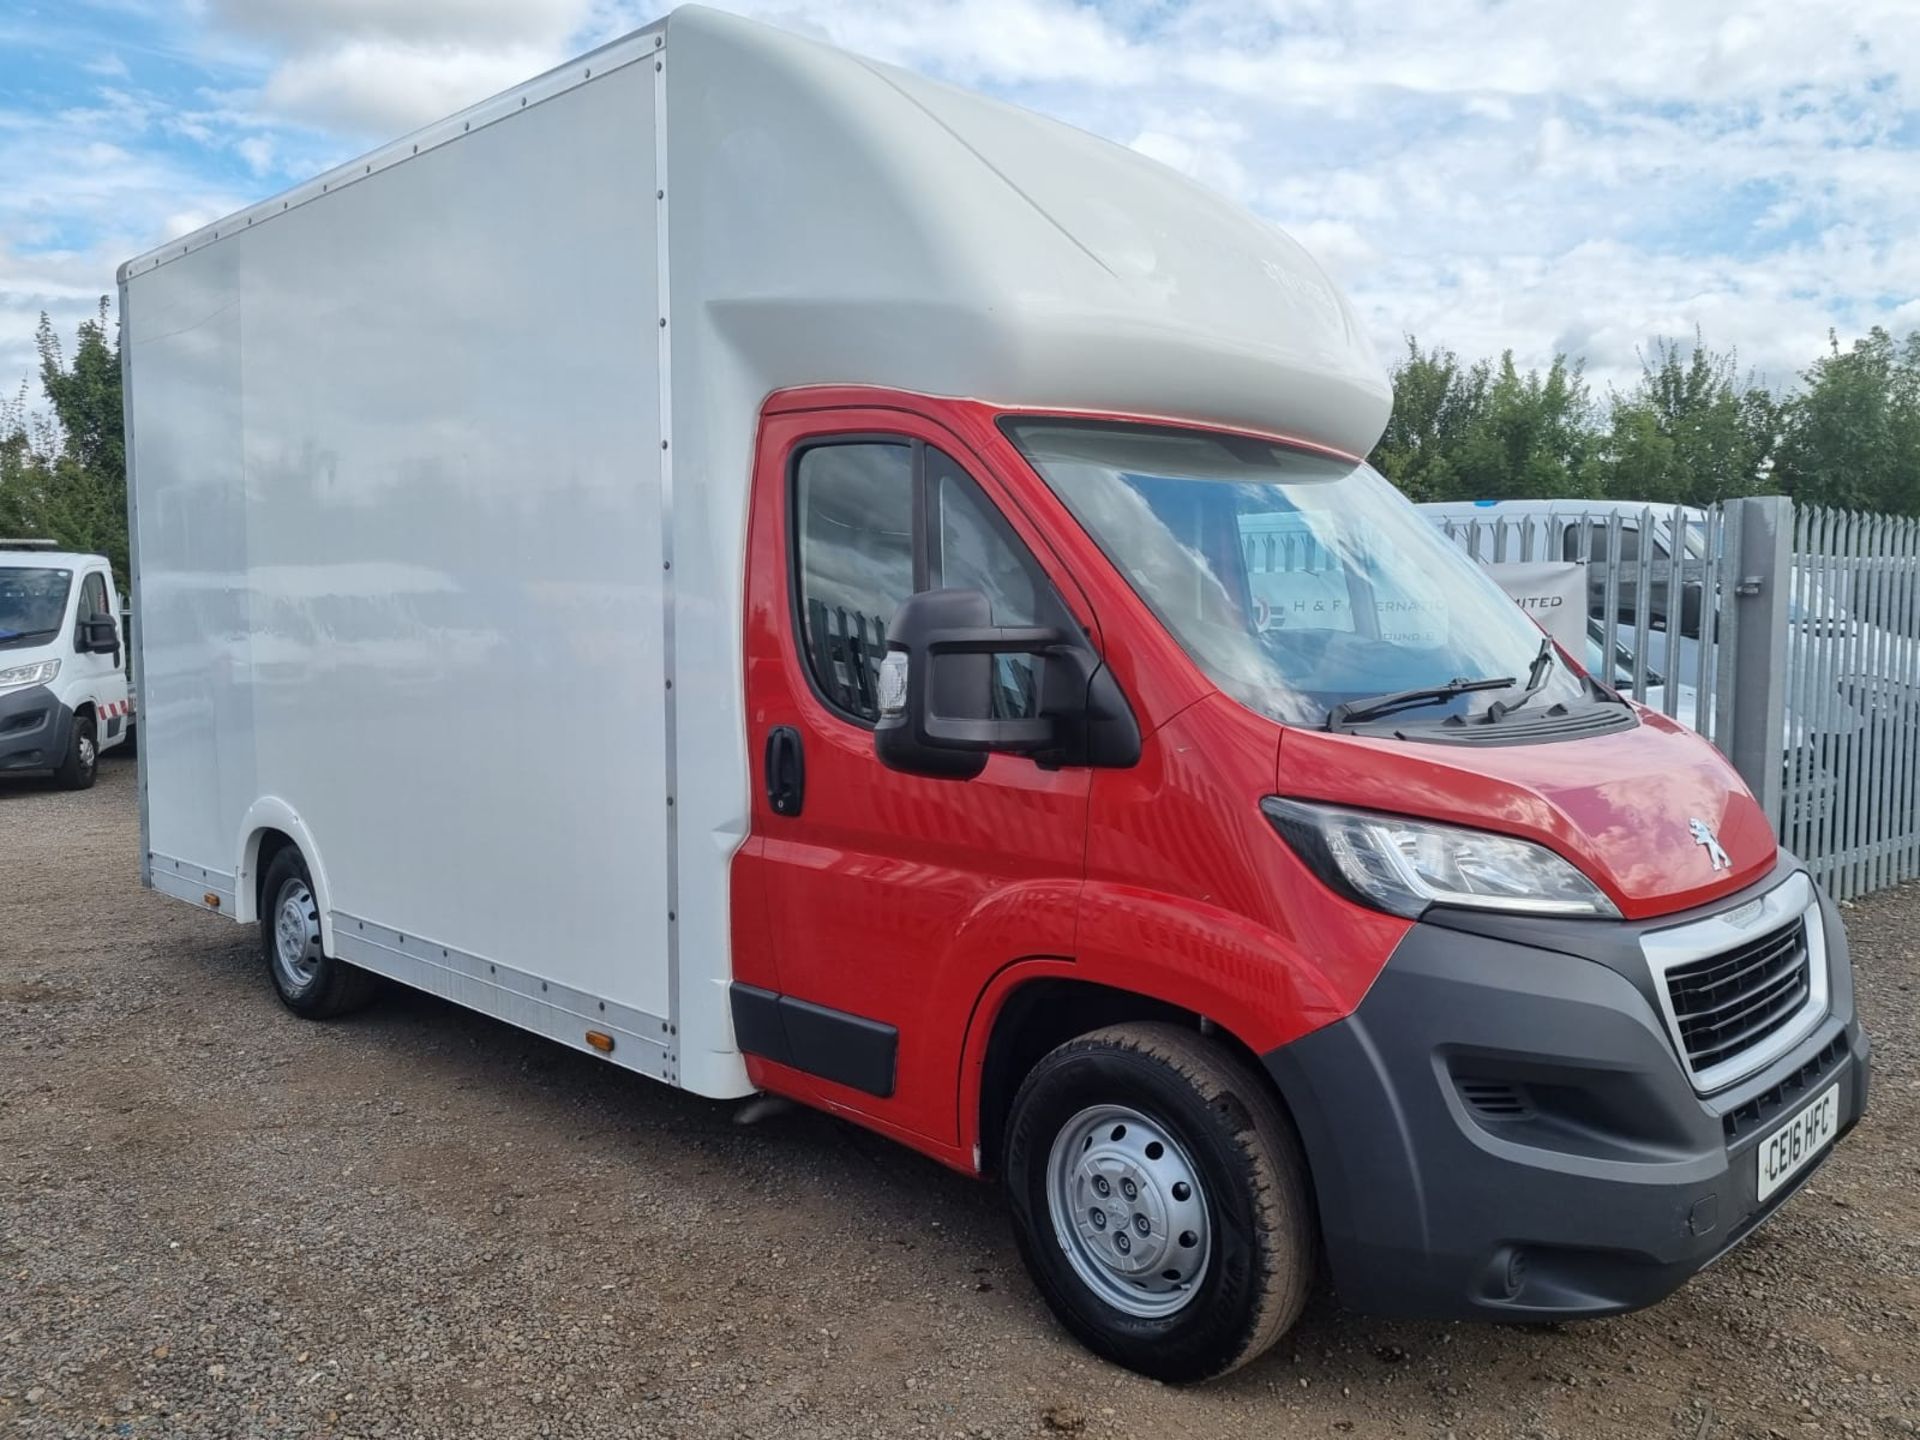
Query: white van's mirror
(100, 636)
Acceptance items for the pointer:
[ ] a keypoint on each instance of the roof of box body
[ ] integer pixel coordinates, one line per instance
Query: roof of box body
(840, 221)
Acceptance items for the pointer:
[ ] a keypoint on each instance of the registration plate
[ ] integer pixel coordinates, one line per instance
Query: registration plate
(1792, 1147)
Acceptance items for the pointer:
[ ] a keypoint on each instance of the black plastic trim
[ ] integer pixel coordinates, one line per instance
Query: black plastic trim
(35, 731)
(1503, 1129)
(847, 1049)
(1528, 727)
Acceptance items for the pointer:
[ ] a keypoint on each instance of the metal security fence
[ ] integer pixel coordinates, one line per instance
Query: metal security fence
(1652, 590)
(1789, 637)
(1851, 676)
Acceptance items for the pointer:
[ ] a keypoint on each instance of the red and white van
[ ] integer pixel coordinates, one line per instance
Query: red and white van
(791, 578)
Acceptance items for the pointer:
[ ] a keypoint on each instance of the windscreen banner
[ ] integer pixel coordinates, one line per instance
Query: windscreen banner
(1554, 593)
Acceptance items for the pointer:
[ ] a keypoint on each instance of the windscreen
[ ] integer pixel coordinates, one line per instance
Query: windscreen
(33, 603)
(1296, 580)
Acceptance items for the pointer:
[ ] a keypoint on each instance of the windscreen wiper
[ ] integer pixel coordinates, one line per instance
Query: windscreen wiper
(1349, 712)
(1536, 682)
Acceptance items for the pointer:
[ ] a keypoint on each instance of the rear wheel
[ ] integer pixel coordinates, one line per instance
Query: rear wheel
(82, 762)
(310, 982)
(1159, 1198)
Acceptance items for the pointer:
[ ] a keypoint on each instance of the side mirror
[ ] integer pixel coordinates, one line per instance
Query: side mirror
(936, 693)
(100, 636)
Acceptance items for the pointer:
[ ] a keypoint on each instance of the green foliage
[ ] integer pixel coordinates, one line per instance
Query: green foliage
(1852, 436)
(1481, 431)
(64, 477)
(1689, 432)
(1435, 400)
(1692, 429)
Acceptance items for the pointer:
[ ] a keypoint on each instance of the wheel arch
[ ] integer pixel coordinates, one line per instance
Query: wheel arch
(1032, 1007)
(269, 827)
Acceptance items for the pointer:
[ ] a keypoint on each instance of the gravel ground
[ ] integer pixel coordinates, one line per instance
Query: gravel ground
(218, 1220)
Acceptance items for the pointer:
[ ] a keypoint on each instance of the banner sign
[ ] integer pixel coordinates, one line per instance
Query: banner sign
(1553, 593)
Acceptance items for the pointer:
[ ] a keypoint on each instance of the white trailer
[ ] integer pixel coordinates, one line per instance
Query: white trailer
(439, 480)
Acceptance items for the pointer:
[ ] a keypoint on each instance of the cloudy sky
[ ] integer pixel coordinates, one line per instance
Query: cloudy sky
(1541, 175)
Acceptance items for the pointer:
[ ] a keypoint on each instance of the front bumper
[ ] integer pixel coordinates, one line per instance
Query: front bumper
(34, 727)
(1503, 1129)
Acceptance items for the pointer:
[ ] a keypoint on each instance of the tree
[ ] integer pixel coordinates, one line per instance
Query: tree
(1688, 432)
(1485, 432)
(1852, 436)
(64, 477)
(1436, 402)
(1535, 436)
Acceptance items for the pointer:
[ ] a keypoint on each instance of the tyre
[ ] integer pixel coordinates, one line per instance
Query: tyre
(1159, 1198)
(310, 982)
(82, 764)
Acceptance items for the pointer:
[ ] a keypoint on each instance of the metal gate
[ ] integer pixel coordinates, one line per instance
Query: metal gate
(1851, 674)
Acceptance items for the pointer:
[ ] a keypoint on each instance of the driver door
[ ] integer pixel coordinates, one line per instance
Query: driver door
(888, 898)
(106, 681)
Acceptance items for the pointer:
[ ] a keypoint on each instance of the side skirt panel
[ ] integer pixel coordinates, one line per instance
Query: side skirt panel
(847, 1049)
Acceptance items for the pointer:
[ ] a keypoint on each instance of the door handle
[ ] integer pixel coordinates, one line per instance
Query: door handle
(786, 770)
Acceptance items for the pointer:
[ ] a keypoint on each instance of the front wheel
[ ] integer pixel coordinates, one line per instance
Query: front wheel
(82, 761)
(1159, 1199)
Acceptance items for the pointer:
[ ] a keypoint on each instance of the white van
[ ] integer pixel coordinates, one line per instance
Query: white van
(63, 686)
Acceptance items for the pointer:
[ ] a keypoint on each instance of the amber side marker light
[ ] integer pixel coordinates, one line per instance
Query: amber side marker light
(212, 900)
(600, 1041)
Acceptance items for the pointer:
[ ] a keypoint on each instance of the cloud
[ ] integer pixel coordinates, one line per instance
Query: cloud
(1487, 174)
(323, 24)
(977, 42)
(371, 68)
(257, 151)
(382, 87)
(82, 187)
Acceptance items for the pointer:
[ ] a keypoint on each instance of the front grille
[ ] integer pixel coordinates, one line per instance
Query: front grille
(1726, 1004)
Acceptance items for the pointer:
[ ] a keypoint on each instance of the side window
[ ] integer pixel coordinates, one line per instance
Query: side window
(972, 548)
(93, 598)
(1629, 541)
(853, 508)
(877, 520)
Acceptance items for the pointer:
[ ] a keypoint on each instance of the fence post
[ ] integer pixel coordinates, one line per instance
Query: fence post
(1755, 587)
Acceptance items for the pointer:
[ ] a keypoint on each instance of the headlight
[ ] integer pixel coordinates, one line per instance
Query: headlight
(1403, 866)
(41, 672)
